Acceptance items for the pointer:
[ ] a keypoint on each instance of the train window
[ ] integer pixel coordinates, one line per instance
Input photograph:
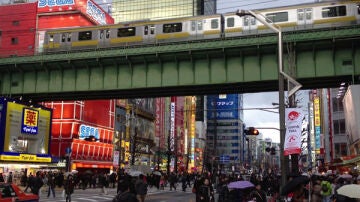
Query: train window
(146, 30)
(358, 9)
(173, 27)
(200, 25)
(101, 34)
(63, 37)
(330, 12)
(249, 19)
(230, 22)
(14, 40)
(107, 33)
(214, 23)
(277, 17)
(152, 29)
(51, 38)
(193, 25)
(300, 14)
(86, 35)
(125, 32)
(69, 37)
(309, 13)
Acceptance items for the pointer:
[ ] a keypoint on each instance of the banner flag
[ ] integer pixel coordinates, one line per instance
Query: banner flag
(293, 120)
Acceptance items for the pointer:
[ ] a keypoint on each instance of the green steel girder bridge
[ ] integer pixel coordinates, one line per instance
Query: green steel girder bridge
(316, 58)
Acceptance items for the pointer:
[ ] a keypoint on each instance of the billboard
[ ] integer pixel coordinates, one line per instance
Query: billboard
(26, 135)
(223, 106)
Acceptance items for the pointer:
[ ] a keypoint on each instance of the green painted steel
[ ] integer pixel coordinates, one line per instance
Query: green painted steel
(316, 58)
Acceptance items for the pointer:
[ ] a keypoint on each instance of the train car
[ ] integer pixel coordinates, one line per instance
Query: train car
(289, 18)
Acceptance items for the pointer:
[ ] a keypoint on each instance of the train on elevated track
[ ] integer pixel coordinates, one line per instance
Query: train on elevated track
(218, 26)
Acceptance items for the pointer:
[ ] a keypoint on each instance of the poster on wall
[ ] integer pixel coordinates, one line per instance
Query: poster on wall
(27, 133)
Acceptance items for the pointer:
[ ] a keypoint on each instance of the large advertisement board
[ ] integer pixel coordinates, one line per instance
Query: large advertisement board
(26, 136)
(223, 106)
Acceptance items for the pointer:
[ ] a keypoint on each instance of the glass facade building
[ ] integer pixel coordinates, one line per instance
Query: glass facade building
(138, 10)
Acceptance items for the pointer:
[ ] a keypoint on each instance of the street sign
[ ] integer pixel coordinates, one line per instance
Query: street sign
(224, 159)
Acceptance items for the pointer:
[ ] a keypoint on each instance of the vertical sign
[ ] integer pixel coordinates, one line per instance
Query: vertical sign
(30, 121)
(317, 123)
(172, 123)
(294, 118)
(116, 158)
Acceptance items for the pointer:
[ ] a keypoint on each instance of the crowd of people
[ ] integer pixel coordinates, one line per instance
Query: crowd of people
(266, 185)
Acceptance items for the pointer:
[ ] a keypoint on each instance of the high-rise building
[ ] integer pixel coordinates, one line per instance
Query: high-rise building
(225, 139)
(138, 10)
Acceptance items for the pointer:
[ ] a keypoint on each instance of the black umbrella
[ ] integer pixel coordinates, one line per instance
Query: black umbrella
(294, 184)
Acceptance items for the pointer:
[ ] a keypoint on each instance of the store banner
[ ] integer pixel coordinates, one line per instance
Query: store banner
(293, 119)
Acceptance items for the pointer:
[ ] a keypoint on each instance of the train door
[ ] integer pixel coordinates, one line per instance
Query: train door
(104, 38)
(65, 41)
(196, 30)
(149, 33)
(249, 23)
(305, 17)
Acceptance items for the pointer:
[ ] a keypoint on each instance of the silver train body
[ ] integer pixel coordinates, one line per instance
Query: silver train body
(290, 18)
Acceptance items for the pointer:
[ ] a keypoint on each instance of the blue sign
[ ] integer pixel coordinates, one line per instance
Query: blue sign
(51, 3)
(95, 12)
(224, 159)
(30, 121)
(223, 106)
(87, 131)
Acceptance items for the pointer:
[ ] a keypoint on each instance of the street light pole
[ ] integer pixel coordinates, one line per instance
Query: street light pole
(281, 77)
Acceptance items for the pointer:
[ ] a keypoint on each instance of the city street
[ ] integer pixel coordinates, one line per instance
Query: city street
(95, 195)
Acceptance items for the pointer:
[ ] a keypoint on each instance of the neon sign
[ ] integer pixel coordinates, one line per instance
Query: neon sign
(30, 121)
(51, 3)
(95, 12)
(87, 131)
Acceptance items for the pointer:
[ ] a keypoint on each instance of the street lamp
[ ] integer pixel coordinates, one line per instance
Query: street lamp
(281, 88)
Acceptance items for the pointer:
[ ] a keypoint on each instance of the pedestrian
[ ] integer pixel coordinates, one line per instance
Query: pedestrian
(69, 187)
(183, 182)
(258, 195)
(10, 178)
(103, 183)
(206, 191)
(51, 184)
(141, 188)
(223, 190)
(124, 194)
(316, 193)
(29, 181)
(172, 180)
(1, 178)
(36, 184)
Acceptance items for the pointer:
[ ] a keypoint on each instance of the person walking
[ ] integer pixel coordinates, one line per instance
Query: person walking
(69, 187)
(258, 194)
(172, 181)
(124, 194)
(141, 188)
(206, 191)
(36, 184)
(10, 178)
(51, 184)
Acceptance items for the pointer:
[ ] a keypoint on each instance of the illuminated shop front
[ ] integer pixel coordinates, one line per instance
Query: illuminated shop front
(25, 136)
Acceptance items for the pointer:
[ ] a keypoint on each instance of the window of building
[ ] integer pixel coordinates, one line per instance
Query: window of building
(277, 17)
(16, 23)
(335, 11)
(340, 149)
(86, 35)
(230, 22)
(173, 27)
(337, 105)
(51, 38)
(14, 40)
(214, 23)
(339, 126)
(126, 32)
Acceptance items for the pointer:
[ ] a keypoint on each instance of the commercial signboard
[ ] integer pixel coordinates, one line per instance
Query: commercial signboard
(294, 118)
(317, 124)
(26, 132)
(223, 106)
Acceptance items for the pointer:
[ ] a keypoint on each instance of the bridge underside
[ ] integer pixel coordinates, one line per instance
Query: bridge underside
(317, 59)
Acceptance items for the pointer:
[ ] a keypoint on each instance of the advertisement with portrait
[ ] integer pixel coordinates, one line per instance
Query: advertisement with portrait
(27, 133)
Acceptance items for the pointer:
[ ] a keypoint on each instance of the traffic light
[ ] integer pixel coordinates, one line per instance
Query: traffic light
(251, 131)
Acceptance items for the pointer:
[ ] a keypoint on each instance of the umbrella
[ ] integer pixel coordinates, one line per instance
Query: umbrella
(350, 190)
(88, 172)
(294, 184)
(345, 176)
(135, 173)
(157, 173)
(240, 185)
